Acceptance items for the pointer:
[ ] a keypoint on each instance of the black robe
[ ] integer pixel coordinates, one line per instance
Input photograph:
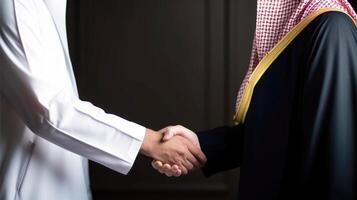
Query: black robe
(299, 138)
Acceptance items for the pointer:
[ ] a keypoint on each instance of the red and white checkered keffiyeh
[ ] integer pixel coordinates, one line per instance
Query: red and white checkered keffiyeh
(275, 18)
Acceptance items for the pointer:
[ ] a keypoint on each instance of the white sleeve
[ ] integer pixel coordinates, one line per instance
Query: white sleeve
(43, 96)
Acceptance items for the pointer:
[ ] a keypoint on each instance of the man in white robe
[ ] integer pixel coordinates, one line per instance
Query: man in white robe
(46, 131)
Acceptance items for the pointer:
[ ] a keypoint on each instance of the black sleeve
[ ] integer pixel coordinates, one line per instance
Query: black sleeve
(329, 110)
(223, 147)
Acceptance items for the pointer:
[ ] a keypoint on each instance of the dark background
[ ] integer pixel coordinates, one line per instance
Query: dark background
(353, 3)
(159, 63)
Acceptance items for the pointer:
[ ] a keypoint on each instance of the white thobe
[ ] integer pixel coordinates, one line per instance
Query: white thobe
(46, 131)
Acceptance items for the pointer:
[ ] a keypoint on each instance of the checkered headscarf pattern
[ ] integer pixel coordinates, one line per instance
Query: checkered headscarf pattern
(275, 18)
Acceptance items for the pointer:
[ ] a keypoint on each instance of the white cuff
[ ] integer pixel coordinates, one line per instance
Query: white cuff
(132, 148)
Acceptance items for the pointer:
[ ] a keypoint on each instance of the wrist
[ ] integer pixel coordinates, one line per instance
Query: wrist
(150, 139)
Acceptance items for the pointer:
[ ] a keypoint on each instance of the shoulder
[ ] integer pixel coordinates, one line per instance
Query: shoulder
(332, 42)
(335, 27)
(336, 20)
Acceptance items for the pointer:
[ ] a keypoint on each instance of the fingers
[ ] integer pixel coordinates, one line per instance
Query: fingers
(194, 163)
(194, 158)
(177, 170)
(163, 168)
(156, 164)
(167, 169)
(173, 171)
(184, 170)
(190, 156)
(188, 164)
(197, 153)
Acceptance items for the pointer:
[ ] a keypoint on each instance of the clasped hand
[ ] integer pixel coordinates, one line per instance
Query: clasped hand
(175, 150)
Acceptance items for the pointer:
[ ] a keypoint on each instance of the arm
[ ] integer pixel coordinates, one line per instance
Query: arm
(223, 148)
(34, 79)
(329, 110)
(45, 100)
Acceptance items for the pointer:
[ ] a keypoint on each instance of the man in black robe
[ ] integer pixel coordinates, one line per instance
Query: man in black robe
(299, 136)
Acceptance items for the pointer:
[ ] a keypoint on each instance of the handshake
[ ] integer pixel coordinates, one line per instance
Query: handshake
(175, 150)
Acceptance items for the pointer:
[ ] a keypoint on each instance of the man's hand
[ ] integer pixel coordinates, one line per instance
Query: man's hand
(178, 151)
(169, 133)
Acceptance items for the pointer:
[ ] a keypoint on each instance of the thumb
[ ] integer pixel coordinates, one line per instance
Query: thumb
(168, 135)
